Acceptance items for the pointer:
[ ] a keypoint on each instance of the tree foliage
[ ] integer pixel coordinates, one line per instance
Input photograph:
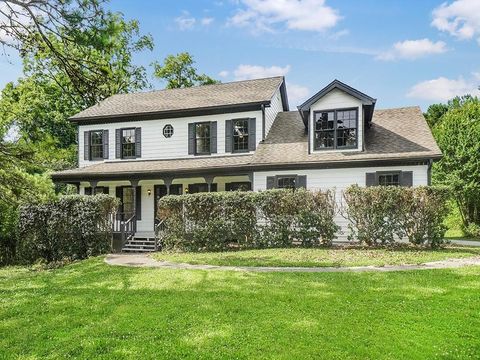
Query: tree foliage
(178, 71)
(79, 40)
(458, 135)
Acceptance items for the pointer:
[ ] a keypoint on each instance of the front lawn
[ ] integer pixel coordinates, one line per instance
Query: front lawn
(93, 310)
(349, 256)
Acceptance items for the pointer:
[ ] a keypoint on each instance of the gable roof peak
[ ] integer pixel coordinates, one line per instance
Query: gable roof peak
(337, 84)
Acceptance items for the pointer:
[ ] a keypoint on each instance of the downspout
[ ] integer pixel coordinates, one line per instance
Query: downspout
(429, 172)
(263, 121)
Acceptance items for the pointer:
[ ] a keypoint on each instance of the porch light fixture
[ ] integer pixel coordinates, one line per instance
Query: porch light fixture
(149, 192)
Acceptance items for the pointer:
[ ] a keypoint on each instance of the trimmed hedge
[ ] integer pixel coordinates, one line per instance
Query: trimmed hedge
(380, 215)
(72, 227)
(242, 220)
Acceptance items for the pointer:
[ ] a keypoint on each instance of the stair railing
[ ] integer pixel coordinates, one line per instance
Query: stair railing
(159, 233)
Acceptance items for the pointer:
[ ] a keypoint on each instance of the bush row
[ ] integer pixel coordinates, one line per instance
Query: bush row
(283, 218)
(381, 215)
(240, 220)
(71, 227)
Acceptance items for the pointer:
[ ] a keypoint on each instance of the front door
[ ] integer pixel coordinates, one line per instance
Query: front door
(127, 202)
(160, 191)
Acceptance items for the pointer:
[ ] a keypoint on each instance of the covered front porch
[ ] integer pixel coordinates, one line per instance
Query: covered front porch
(135, 221)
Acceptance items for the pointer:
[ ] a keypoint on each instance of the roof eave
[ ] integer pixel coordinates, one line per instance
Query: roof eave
(170, 113)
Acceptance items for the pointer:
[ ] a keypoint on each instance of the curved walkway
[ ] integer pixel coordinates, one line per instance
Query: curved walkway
(144, 260)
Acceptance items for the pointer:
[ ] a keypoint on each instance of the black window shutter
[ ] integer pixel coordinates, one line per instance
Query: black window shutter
(138, 202)
(252, 141)
(270, 182)
(106, 190)
(191, 138)
(228, 136)
(213, 187)
(86, 145)
(302, 181)
(370, 179)
(118, 143)
(88, 191)
(406, 178)
(138, 142)
(105, 144)
(213, 137)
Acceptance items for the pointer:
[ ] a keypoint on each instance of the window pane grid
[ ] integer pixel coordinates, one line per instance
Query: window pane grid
(128, 143)
(202, 138)
(389, 180)
(96, 144)
(286, 183)
(240, 135)
(336, 129)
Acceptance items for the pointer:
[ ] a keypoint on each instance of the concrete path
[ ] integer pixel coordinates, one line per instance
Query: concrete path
(144, 260)
(465, 242)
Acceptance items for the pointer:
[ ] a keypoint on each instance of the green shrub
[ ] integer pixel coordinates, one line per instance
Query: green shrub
(240, 220)
(72, 227)
(380, 215)
(8, 233)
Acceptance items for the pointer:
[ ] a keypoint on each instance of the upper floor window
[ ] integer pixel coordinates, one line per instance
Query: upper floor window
(202, 138)
(96, 145)
(128, 143)
(240, 135)
(168, 131)
(336, 129)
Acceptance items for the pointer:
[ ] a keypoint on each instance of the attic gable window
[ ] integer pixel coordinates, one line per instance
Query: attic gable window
(336, 129)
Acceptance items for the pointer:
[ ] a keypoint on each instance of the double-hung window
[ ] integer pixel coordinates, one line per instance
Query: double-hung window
(202, 138)
(240, 135)
(336, 129)
(392, 179)
(96, 145)
(128, 143)
(287, 182)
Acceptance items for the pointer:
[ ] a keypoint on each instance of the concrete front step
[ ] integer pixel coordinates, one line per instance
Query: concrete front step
(139, 244)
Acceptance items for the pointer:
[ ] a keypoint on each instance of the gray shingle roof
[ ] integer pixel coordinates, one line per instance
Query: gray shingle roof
(396, 134)
(400, 133)
(198, 97)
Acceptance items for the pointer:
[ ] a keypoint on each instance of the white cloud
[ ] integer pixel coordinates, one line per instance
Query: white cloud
(244, 72)
(305, 15)
(443, 89)
(185, 21)
(297, 94)
(413, 49)
(206, 21)
(223, 73)
(461, 19)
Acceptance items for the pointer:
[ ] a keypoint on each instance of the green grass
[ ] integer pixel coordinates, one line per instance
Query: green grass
(91, 310)
(320, 257)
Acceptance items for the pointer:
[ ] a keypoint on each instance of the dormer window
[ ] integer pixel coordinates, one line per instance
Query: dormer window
(336, 129)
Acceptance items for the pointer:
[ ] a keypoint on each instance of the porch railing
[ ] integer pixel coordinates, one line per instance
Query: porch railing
(125, 226)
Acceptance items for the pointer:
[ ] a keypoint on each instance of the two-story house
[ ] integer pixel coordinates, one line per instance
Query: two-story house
(241, 135)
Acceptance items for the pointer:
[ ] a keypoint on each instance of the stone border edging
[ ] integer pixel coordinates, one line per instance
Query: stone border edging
(144, 260)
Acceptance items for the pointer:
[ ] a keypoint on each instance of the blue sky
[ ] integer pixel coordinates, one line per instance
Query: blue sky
(403, 52)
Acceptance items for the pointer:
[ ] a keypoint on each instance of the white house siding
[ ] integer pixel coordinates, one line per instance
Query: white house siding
(271, 112)
(156, 146)
(337, 99)
(340, 179)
